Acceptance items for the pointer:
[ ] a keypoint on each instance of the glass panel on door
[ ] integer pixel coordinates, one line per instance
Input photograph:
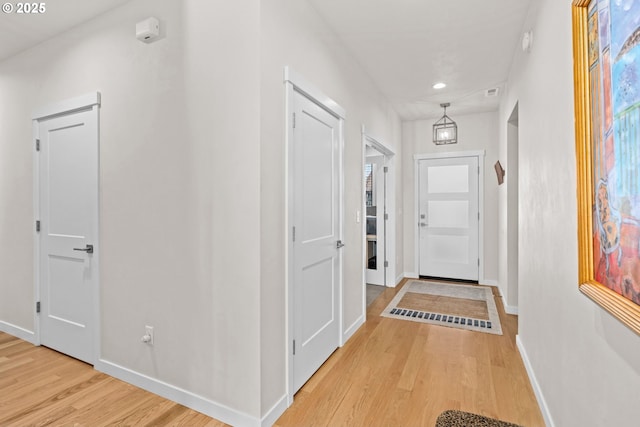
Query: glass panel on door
(372, 237)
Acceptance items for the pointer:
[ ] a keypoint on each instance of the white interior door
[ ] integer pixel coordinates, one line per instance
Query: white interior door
(316, 244)
(449, 218)
(68, 215)
(375, 193)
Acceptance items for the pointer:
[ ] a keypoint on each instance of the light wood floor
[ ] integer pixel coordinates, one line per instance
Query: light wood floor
(402, 373)
(391, 373)
(40, 387)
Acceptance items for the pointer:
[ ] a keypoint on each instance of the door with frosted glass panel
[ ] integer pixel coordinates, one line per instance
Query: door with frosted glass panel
(448, 218)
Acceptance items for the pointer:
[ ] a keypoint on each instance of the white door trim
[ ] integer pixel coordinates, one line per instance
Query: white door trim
(480, 154)
(390, 226)
(67, 106)
(295, 83)
(90, 101)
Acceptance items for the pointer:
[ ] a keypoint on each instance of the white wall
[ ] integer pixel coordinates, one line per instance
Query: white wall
(476, 132)
(585, 362)
(16, 214)
(180, 188)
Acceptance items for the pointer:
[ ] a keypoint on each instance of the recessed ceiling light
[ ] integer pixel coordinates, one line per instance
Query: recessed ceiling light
(439, 85)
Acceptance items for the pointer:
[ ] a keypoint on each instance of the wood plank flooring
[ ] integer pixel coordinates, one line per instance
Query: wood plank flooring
(402, 373)
(41, 387)
(391, 373)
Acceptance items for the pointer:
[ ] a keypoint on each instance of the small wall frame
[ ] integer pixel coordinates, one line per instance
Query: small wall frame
(500, 172)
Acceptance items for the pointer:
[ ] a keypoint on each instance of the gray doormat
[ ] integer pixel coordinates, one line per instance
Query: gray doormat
(469, 307)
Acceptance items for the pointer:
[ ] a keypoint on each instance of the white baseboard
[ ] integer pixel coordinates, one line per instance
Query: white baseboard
(489, 282)
(352, 329)
(191, 400)
(274, 413)
(398, 280)
(17, 331)
(410, 275)
(534, 383)
(509, 309)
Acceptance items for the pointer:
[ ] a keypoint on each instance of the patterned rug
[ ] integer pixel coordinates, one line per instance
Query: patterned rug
(469, 307)
(466, 419)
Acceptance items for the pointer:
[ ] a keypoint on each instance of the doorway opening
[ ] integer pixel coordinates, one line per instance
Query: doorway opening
(375, 209)
(379, 221)
(511, 303)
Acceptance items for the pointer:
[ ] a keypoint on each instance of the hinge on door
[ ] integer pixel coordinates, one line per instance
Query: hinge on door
(385, 169)
(386, 216)
(38, 307)
(386, 263)
(37, 226)
(294, 234)
(478, 262)
(294, 120)
(294, 347)
(37, 145)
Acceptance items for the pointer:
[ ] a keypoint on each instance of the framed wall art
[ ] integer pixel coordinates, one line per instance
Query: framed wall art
(606, 48)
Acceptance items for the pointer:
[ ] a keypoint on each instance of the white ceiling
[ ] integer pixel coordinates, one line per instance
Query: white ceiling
(19, 32)
(404, 45)
(408, 45)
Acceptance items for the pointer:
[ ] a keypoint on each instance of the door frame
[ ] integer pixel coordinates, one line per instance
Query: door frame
(293, 83)
(480, 154)
(510, 286)
(90, 101)
(390, 225)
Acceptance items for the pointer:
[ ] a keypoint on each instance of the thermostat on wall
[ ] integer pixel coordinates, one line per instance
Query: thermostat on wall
(148, 30)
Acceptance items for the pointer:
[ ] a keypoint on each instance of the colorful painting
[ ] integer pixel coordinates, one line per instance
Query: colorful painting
(614, 83)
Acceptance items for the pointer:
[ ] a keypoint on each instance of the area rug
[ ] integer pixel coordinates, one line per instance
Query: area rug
(465, 419)
(458, 306)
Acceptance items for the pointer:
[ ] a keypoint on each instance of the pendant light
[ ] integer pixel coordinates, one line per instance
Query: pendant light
(445, 130)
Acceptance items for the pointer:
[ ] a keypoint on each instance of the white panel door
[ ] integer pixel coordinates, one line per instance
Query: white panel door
(449, 218)
(316, 219)
(68, 200)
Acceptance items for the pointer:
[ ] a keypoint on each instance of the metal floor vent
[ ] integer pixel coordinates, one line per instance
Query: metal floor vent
(442, 318)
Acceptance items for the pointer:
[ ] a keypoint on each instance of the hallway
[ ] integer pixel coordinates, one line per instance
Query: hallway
(401, 373)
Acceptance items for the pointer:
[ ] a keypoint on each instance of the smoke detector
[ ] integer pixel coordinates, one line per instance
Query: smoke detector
(148, 30)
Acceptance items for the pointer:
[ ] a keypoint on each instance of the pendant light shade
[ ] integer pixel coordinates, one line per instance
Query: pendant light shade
(445, 130)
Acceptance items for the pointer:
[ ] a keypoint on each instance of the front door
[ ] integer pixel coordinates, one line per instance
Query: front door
(68, 212)
(449, 218)
(316, 246)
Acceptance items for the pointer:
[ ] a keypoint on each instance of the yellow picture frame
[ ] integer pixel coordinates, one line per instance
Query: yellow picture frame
(620, 307)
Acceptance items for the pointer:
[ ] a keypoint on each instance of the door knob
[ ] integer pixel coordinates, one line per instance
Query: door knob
(88, 249)
(339, 244)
